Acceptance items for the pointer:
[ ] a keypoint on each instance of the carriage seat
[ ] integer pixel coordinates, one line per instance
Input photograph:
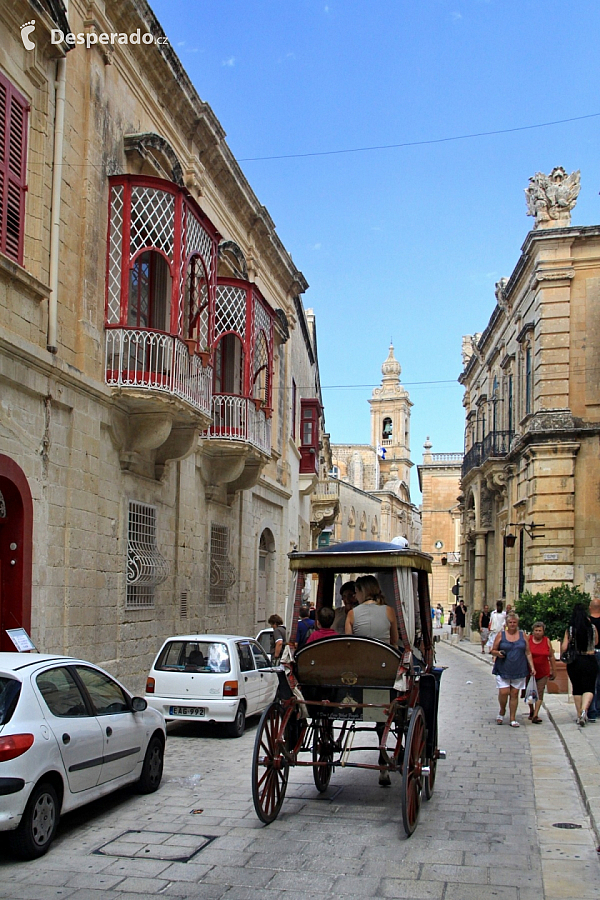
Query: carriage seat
(347, 660)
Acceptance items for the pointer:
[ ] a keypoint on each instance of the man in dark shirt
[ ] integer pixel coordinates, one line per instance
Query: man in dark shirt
(304, 628)
(460, 616)
(594, 613)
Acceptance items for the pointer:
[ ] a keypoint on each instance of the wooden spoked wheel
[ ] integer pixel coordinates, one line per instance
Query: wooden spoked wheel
(322, 751)
(430, 779)
(412, 777)
(270, 768)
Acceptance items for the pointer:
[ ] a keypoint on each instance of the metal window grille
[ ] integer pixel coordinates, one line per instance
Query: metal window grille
(146, 567)
(197, 240)
(230, 312)
(261, 368)
(2, 507)
(114, 255)
(222, 573)
(152, 220)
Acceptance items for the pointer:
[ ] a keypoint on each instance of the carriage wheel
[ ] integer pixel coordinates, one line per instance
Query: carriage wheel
(412, 779)
(322, 752)
(430, 779)
(270, 768)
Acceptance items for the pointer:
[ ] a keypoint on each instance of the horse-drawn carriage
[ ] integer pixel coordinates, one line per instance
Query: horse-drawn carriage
(343, 686)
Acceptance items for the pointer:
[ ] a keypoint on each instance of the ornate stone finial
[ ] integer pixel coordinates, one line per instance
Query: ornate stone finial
(550, 198)
(427, 448)
(391, 368)
(427, 445)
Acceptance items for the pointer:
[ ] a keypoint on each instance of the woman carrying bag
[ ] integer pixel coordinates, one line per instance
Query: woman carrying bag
(578, 647)
(543, 661)
(513, 663)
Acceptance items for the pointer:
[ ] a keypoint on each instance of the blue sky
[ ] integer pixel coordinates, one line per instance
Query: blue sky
(402, 243)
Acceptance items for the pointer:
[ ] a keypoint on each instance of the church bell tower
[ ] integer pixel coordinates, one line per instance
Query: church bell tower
(390, 423)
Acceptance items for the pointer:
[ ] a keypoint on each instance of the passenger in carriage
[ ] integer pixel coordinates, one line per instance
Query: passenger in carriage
(325, 617)
(349, 600)
(372, 617)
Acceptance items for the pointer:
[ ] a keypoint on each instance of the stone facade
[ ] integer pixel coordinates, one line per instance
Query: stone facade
(154, 470)
(439, 480)
(531, 471)
(379, 472)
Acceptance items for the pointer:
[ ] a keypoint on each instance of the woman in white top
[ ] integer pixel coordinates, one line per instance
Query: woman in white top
(372, 617)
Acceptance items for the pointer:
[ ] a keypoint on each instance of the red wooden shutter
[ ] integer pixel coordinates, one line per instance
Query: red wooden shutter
(13, 140)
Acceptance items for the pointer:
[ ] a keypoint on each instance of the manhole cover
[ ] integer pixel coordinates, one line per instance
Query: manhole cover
(566, 825)
(156, 845)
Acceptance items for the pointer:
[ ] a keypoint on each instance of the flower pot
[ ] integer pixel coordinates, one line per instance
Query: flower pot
(561, 684)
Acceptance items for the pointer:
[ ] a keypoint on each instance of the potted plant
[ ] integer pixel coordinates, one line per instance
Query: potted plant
(553, 608)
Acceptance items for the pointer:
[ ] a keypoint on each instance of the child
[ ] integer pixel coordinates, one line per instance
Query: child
(325, 617)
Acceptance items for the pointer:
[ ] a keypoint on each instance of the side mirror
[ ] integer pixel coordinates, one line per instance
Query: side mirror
(138, 704)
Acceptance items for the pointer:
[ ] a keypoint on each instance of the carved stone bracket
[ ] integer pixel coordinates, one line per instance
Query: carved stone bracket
(146, 441)
(227, 467)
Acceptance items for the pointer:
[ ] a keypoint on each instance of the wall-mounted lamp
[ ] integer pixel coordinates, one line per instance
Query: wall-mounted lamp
(444, 560)
(510, 540)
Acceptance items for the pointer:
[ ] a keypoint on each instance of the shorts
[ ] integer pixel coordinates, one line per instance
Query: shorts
(484, 633)
(517, 683)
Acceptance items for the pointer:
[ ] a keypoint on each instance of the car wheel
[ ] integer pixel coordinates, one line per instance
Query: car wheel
(38, 825)
(238, 726)
(153, 766)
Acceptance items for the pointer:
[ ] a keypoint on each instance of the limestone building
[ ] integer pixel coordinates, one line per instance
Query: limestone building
(160, 410)
(374, 478)
(439, 481)
(531, 471)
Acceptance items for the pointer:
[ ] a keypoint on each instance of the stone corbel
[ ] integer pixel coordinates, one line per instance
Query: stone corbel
(227, 464)
(180, 443)
(147, 441)
(95, 22)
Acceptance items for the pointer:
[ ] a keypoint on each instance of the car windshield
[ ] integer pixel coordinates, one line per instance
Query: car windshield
(10, 689)
(194, 656)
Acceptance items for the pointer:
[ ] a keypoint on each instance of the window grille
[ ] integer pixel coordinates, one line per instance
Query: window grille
(152, 220)
(222, 573)
(230, 312)
(13, 155)
(146, 567)
(2, 507)
(113, 313)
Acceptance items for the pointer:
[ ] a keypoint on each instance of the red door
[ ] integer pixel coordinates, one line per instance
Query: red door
(16, 520)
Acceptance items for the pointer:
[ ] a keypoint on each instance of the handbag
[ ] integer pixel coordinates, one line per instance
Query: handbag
(570, 653)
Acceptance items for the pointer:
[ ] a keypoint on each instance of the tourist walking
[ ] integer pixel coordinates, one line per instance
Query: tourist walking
(497, 622)
(513, 664)
(594, 614)
(461, 619)
(544, 664)
(484, 626)
(582, 670)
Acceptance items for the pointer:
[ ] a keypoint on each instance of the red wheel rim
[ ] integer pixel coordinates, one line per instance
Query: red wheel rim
(270, 768)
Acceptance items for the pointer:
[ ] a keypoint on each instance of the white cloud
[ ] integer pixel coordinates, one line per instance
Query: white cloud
(229, 62)
(456, 16)
(316, 246)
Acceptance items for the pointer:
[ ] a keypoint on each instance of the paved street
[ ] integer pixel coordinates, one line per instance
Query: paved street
(490, 823)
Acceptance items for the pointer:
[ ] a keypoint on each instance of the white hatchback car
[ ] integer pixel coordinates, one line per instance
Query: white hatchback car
(69, 733)
(211, 678)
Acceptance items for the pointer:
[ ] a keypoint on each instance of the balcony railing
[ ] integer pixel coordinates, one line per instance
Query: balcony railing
(326, 490)
(237, 419)
(153, 361)
(446, 457)
(495, 444)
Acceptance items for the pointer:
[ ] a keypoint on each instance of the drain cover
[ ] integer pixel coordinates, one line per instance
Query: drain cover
(156, 845)
(566, 825)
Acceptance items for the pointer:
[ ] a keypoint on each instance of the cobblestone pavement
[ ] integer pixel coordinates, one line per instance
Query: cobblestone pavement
(487, 832)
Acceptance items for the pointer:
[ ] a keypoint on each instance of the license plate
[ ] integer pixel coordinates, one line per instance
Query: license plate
(186, 711)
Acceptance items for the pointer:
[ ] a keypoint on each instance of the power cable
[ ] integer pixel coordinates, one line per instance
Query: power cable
(444, 140)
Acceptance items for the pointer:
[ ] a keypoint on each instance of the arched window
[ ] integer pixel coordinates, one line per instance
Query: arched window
(386, 431)
(195, 309)
(260, 385)
(149, 292)
(229, 365)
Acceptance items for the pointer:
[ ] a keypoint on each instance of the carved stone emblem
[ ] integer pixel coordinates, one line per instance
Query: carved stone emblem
(550, 198)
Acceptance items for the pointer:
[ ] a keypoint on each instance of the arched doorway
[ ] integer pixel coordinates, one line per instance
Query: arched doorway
(266, 549)
(16, 526)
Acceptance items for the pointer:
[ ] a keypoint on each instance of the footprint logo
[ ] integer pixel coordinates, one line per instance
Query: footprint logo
(26, 30)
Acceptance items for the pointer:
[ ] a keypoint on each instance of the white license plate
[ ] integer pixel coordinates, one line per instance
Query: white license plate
(186, 711)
